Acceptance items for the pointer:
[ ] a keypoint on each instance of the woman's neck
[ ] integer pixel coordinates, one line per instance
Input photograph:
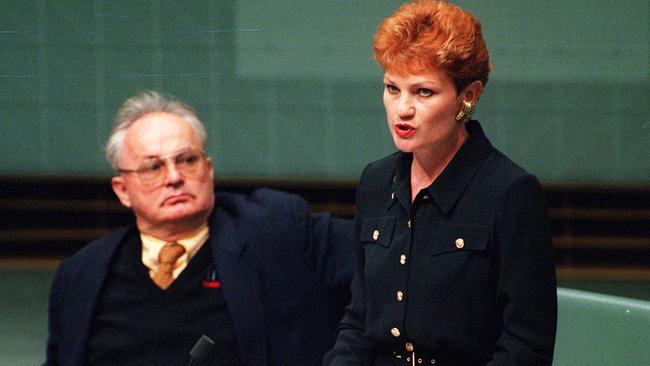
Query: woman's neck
(427, 165)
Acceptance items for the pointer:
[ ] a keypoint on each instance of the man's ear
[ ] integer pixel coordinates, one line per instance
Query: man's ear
(117, 183)
(208, 161)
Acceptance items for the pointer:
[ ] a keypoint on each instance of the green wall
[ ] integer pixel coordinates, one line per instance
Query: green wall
(290, 89)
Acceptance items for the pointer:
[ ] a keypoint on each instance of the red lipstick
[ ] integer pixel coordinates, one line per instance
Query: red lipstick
(404, 130)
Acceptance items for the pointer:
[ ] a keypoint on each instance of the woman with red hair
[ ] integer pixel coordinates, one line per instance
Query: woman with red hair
(455, 263)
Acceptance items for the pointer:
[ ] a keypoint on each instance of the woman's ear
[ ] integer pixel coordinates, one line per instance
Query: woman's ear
(473, 91)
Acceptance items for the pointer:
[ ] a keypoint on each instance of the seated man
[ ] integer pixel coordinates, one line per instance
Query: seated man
(260, 275)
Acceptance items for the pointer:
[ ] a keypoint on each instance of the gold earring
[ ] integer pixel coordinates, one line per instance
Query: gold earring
(466, 112)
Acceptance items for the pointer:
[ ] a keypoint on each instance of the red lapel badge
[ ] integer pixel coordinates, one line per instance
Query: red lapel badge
(211, 284)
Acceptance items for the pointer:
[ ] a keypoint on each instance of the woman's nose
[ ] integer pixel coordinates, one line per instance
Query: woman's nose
(405, 107)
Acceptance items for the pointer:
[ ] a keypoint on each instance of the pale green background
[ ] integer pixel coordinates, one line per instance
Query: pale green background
(289, 88)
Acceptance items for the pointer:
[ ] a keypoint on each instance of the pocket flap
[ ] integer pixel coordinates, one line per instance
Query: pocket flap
(451, 237)
(377, 230)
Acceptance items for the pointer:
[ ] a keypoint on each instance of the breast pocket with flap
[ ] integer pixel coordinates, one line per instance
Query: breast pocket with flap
(456, 238)
(377, 230)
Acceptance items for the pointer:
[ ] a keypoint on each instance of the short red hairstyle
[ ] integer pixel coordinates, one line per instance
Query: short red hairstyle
(432, 33)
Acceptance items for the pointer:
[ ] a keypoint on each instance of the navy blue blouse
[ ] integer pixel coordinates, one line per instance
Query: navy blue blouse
(462, 275)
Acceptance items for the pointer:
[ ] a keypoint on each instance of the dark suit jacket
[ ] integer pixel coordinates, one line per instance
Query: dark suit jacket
(285, 275)
(464, 276)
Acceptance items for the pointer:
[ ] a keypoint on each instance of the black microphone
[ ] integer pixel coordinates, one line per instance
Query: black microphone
(201, 349)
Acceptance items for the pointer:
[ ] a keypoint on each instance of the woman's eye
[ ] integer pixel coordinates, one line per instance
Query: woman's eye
(425, 92)
(392, 89)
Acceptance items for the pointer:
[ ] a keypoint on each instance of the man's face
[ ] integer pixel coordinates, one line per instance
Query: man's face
(177, 201)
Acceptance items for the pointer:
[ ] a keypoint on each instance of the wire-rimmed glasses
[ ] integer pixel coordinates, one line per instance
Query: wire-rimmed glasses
(188, 162)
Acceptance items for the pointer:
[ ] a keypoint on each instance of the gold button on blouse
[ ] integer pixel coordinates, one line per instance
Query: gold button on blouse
(375, 235)
(395, 332)
(460, 243)
(409, 346)
(400, 296)
(402, 259)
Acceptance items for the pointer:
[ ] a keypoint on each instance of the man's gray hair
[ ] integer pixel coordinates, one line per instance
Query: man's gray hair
(144, 103)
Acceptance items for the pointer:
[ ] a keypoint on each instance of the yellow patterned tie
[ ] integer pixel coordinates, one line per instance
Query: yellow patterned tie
(167, 258)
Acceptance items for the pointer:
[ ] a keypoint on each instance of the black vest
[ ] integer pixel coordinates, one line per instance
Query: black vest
(137, 323)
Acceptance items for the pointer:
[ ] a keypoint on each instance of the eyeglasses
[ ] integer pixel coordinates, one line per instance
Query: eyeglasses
(187, 162)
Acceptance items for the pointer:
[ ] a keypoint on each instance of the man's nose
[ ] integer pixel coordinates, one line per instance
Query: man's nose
(172, 175)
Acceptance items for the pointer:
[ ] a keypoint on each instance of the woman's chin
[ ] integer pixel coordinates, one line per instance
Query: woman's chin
(403, 146)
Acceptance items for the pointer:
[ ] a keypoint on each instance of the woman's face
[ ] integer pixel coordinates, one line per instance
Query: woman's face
(421, 109)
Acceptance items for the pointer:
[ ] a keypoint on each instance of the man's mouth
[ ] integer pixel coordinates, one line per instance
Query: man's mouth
(177, 198)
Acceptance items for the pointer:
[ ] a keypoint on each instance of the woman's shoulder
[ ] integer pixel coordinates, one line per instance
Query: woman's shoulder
(384, 166)
(501, 176)
(378, 178)
(501, 166)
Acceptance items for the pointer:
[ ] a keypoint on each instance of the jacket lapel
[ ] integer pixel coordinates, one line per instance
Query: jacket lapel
(240, 282)
(89, 286)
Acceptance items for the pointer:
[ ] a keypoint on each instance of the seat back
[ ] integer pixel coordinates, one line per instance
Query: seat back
(597, 329)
